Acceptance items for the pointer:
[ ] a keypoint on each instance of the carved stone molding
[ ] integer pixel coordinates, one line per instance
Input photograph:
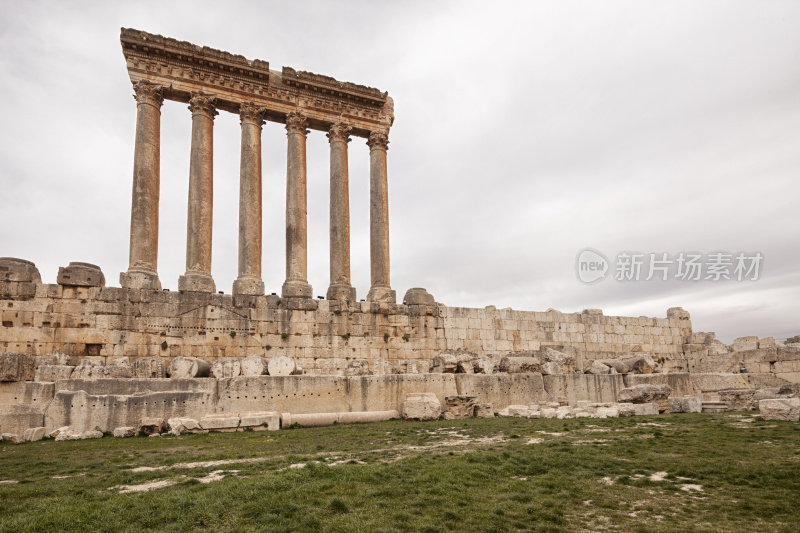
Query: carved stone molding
(339, 132)
(203, 104)
(296, 122)
(378, 140)
(145, 92)
(250, 112)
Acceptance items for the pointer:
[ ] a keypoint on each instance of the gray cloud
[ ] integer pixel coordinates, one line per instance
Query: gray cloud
(524, 133)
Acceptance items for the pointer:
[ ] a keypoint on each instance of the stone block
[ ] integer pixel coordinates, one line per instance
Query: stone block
(181, 425)
(254, 365)
(17, 367)
(644, 394)
(78, 274)
(357, 367)
(281, 365)
(189, 367)
(598, 368)
(743, 344)
(685, 404)
(260, 420)
(13, 269)
(125, 431)
(787, 409)
(220, 422)
(52, 373)
(520, 364)
(551, 368)
(447, 362)
(421, 406)
(458, 407)
(33, 434)
(418, 296)
(149, 368)
(484, 410)
(151, 426)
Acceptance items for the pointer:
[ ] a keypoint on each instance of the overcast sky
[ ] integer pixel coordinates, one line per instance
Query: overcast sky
(524, 133)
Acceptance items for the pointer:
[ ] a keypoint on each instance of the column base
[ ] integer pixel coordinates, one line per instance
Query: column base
(296, 289)
(137, 278)
(251, 286)
(196, 282)
(341, 291)
(382, 295)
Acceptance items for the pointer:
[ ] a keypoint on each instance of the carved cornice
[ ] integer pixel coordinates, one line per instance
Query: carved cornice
(378, 140)
(296, 122)
(182, 69)
(250, 112)
(339, 132)
(203, 104)
(145, 92)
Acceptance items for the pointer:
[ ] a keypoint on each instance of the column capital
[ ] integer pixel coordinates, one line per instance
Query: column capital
(296, 123)
(339, 132)
(147, 92)
(203, 104)
(378, 140)
(250, 112)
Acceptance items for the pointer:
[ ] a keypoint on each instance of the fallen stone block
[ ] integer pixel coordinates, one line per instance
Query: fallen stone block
(181, 425)
(564, 361)
(9, 437)
(643, 409)
(281, 365)
(515, 410)
(685, 404)
(483, 365)
(68, 433)
(738, 400)
(465, 367)
(254, 365)
(33, 434)
(447, 362)
(644, 393)
(421, 406)
(520, 364)
(151, 426)
(149, 368)
(226, 368)
(484, 410)
(598, 368)
(790, 389)
(259, 421)
(125, 431)
(53, 373)
(606, 412)
(17, 367)
(189, 367)
(91, 369)
(459, 407)
(358, 367)
(714, 407)
(551, 368)
(787, 409)
(220, 422)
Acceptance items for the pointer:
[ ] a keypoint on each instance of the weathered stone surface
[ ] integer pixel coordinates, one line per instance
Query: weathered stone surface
(644, 393)
(181, 425)
(226, 368)
(56, 358)
(790, 389)
(551, 368)
(745, 343)
(17, 367)
(260, 420)
(635, 365)
(357, 367)
(281, 365)
(13, 269)
(484, 410)
(520, 364)
(457, 407)
(149, 368)
(421, 406)
(500, 390)
(465, 367)
(70, 433)
(447, 362)
(151, 426)
(569, 388)
(564, 361)
(254, 365)
(598, 368)
(783, 409)
(738, 400)
(685, 404)
(483, 365)
(189, 367)
(89, 369)
(16, 418)
(220, 422)
(52, 373)
(418, 296)
(78, 274)
(125, 431)
(33, 434)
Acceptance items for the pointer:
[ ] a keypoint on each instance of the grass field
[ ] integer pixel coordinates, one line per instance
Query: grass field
(727, 472)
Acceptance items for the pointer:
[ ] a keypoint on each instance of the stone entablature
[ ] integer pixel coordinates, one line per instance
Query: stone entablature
(183, 69)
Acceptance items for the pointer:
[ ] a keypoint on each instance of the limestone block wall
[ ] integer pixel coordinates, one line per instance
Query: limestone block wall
(322, 335)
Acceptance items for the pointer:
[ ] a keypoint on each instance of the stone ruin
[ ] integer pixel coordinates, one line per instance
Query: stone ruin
(81, 359)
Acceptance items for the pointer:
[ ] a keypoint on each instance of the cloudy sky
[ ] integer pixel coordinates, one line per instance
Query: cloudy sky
(525, 132)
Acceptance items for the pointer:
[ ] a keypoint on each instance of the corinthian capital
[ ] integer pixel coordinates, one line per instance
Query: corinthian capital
(339, 132)
(250, 112)
(147, 92)
(296, 122)
(203, 104)
(378, 139)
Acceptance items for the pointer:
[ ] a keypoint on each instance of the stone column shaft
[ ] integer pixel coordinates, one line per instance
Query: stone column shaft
(143, 263)
(249, 280)
(340, 288)
(296, 284)
(201, 197)
(380, 290)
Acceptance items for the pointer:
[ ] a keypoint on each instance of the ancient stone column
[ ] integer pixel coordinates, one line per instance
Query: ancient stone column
(380, 290)
(340, 288)
(143, 263)
(249, 280)
(201, 197)
(296, 284)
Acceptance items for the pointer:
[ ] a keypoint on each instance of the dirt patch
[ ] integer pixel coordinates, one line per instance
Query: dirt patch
(145, 487)
(692, 488)
(199, 464)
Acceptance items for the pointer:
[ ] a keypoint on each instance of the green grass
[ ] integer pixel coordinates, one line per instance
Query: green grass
(472, 475)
